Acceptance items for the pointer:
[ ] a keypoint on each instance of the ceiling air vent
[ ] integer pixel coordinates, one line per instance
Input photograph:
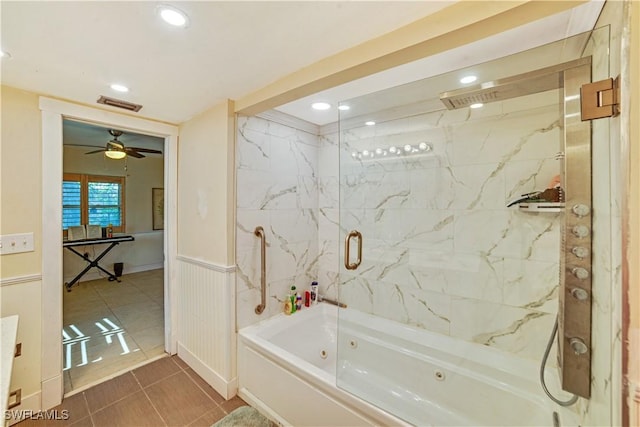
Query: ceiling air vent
(119, 103)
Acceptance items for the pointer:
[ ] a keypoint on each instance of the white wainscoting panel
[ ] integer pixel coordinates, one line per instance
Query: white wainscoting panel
(206, 331)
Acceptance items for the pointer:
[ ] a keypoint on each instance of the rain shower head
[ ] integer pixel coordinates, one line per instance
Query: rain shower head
(536, 81)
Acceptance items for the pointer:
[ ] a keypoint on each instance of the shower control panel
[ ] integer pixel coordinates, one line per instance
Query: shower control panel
(575, 304)
(574, 314)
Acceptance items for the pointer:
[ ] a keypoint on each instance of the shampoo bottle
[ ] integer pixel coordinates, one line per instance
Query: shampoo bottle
(287, 305)
(314, 293)
(292, 299)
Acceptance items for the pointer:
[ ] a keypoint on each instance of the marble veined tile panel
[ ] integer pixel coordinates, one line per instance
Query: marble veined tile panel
(523, 177)
(516, 136)
(531, 284)
(292, 158)
(458, 274)
(412, 228)
(253, 150)
(246, 222)
(517, 330)
(253, 123)
(292, 226)
(478, 186)
(263, 190)
(328, 192)
(511, 234)
(357, 292)
(424, 309)
(328, 161)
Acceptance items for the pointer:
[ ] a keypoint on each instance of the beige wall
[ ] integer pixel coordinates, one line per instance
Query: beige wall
(20, 178)
(206, 186)
(21, 211)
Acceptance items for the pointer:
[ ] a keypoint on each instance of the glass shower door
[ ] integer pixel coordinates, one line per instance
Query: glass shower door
(451, 223)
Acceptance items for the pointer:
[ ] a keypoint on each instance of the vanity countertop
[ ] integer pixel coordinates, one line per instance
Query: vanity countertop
(9, 332)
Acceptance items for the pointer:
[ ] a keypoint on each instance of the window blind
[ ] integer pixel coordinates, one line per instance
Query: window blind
(104, 203)
(71, 213)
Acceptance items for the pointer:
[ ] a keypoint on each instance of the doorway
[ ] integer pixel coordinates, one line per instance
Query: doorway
(54, 113)
(113, 307)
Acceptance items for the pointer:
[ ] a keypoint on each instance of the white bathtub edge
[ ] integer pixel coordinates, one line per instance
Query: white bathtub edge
(227, 389)
(315, 378)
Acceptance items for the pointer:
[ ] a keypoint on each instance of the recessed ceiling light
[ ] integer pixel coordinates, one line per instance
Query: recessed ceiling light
(370, 123)
(173, 16)
(468, 79)
(119, 88)
(4, 54)
(320, 105)
(477, 105)
(343, 107)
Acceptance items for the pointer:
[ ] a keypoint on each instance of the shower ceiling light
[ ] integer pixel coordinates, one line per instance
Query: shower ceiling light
(343, 107)
(468, 79)
(320, 106)
(477, 105)
(173, 16)
(370, 123)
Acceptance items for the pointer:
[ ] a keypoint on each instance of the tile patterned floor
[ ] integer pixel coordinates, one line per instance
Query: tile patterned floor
(165, 392)
(109, 327)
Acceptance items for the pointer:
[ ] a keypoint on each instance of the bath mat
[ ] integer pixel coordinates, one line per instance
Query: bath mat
(244, 416)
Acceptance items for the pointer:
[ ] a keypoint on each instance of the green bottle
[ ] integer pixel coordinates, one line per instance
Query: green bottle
(292, 297)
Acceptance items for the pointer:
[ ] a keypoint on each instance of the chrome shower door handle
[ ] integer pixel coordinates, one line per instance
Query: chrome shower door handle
(347, 250)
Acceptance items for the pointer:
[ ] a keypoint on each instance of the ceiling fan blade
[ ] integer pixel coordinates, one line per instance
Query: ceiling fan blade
(97, 151)
(133, 153)
(145, 150)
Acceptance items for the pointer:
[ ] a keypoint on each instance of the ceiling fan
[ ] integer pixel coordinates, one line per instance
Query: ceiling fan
(116, 149)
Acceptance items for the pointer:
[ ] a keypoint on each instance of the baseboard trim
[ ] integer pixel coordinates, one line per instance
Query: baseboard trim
(95, 274)
(29, 405)
(52, 390)
(227, 389)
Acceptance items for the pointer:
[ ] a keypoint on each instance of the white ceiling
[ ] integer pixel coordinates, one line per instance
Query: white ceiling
(571, 22)
(75, 50)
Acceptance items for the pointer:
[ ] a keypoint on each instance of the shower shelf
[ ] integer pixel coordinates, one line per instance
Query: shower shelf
(542, 207)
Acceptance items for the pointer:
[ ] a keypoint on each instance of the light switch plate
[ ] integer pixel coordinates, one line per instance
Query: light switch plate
(16, 243)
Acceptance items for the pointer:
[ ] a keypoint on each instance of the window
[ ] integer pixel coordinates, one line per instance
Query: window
(92, 199)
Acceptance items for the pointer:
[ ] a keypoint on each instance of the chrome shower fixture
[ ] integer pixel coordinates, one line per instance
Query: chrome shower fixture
(536, 81)
(393, 152)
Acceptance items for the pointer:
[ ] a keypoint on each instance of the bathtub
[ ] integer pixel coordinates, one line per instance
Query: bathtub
(288, 367)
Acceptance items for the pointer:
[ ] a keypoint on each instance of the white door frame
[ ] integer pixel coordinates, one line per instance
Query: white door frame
(53, 113)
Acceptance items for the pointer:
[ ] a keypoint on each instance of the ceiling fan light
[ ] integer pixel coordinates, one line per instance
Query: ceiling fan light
(115, 154)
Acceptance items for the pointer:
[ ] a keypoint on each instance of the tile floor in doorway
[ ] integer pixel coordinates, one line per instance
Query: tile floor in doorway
(165, 392)
(109, 327)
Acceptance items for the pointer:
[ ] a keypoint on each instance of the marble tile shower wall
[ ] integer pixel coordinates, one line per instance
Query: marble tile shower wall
(441, 249)
(276, 169)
